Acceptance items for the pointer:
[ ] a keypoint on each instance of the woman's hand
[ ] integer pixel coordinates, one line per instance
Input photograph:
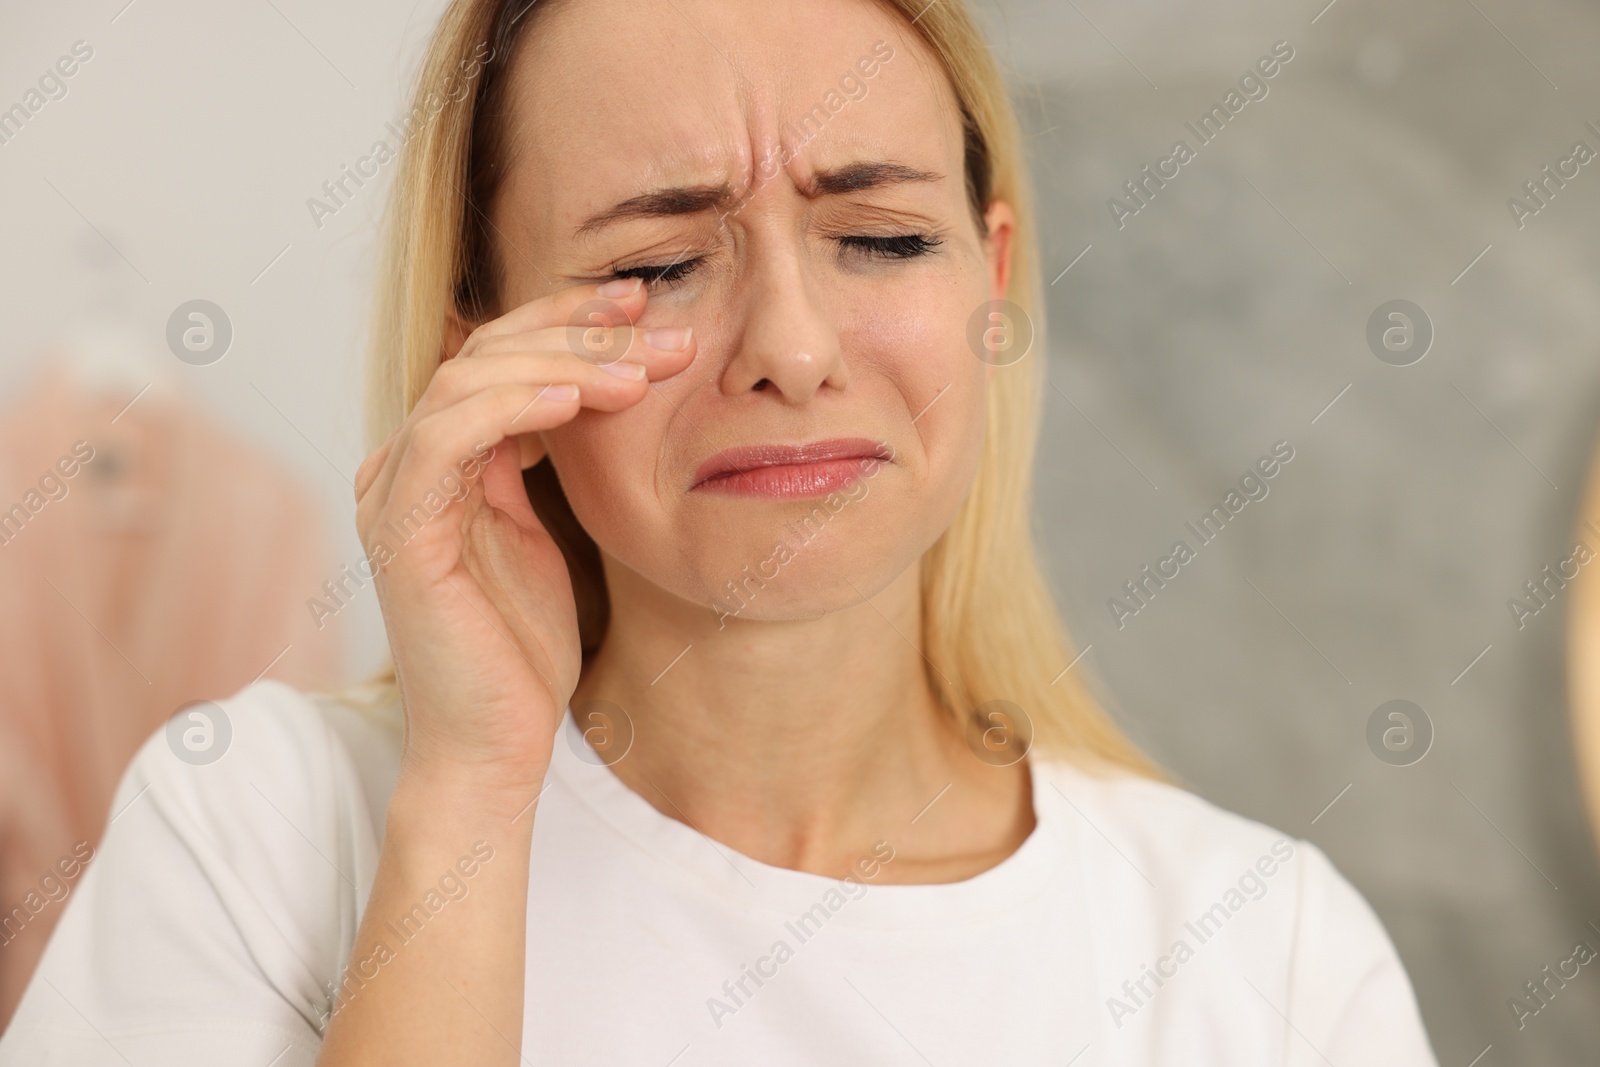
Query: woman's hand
(484, 632)
(475, 595)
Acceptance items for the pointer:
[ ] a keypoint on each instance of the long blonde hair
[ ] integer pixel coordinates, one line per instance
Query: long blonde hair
(989, 628)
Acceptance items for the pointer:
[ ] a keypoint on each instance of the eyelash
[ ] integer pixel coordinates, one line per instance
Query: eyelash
(898, 246)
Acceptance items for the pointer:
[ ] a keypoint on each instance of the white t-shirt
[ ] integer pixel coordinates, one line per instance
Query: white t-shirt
(1137, 924)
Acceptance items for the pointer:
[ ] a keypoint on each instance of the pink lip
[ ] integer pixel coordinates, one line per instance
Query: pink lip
(789, 470)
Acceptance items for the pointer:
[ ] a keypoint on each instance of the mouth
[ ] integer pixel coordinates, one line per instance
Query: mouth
(790, 470)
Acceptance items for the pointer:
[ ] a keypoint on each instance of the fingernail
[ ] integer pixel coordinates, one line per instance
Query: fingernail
(559, 392)
(668, 338)
(620, 286)
(631, 371)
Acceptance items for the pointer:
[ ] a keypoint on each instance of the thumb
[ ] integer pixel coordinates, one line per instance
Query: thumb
(531, 449)
(503, 488)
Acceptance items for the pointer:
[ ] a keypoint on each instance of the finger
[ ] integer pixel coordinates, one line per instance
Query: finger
(608, 386)
(367, 473)
(664, 350)
(576, 308)
(449, 442)
(530, 449)
(503, 487)
(532, 415)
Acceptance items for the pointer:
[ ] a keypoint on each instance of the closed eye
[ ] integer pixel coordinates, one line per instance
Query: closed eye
(668, 273)
(897, 246)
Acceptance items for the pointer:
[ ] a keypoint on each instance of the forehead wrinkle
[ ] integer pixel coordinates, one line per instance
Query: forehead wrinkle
(722, 154)
(664, 200)
(813, 184)
(743, 130)
(658, 203)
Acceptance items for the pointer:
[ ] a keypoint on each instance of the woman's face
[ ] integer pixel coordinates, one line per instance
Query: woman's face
(830, 290)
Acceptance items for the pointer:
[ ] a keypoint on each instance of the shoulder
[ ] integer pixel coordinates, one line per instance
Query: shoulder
(1181, 855)
(1173, 866)
(1168, 834)
(267, 755)
(1278, 931)
(225, 892)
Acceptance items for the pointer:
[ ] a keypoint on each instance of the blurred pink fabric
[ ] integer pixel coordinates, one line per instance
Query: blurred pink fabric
(175, 567)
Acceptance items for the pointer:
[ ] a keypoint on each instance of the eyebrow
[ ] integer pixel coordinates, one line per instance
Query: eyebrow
(694, 199)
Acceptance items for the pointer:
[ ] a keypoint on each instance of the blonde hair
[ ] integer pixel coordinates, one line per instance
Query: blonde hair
(990, 630)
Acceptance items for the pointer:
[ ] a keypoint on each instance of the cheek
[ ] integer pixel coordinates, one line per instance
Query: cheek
(915, 323)
(918, 346)
(607, 463)
(912, 358)
(950, 434)
(910, 339)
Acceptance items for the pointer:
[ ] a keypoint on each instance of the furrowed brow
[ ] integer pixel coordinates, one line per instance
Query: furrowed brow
(694, 199)
(660, 203)
(857, 177)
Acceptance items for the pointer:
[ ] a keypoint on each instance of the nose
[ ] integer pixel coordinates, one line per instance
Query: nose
(788, 343)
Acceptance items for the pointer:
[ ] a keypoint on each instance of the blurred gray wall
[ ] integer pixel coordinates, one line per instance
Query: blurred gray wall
(1228, 314)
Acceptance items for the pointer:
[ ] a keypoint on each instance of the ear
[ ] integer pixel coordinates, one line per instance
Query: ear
(1002, 223)
(456, 332)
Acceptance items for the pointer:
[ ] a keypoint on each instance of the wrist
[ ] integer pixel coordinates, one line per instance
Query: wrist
(456, 799)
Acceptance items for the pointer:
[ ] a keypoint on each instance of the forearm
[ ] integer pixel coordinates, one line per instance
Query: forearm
(436, 973)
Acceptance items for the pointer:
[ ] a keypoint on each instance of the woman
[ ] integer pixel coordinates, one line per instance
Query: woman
(732, 287)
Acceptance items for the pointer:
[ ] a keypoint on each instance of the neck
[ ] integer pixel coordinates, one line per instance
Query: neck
(802, 742)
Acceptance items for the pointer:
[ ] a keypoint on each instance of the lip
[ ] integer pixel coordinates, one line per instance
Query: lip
(775, 470)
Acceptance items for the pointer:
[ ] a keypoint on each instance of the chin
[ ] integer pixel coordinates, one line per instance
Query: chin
(795, 570)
